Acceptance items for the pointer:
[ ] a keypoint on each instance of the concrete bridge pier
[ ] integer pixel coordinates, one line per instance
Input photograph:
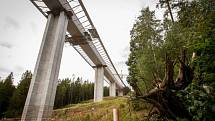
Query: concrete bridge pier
(120, 93)
(98, 85)
(112, 89)
(41, 94)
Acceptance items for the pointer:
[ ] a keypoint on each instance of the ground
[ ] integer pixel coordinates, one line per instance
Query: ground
(100, 111)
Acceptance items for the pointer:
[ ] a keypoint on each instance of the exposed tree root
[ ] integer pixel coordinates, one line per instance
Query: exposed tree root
(164, 98)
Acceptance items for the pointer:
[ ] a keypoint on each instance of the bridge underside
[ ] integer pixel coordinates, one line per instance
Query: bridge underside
(41, 95)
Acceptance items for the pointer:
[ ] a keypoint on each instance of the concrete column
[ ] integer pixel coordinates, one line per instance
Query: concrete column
(120, 93)
(99, 82)
(41, 94)
(112, 89)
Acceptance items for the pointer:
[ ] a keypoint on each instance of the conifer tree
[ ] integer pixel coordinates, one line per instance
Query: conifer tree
(6, 91)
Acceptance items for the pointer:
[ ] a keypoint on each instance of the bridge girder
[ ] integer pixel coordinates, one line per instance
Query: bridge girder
(61, 18)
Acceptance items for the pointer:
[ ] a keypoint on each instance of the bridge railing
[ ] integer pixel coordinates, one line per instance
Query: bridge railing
(86, 25)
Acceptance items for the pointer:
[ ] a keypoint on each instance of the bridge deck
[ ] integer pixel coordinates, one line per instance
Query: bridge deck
(82, 34)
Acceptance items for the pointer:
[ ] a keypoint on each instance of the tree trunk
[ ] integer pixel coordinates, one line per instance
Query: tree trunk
(164, 97)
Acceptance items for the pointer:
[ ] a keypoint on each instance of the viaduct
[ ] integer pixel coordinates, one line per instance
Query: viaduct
(67, 21)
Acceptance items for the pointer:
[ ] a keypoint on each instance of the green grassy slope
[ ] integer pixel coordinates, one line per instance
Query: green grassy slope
(101, 111)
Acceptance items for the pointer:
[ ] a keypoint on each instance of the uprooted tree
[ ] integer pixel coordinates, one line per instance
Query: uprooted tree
(160, 70)
(163, 96)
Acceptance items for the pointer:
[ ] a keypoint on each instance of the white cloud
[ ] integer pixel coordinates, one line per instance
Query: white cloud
(11, 23)
(6, 45)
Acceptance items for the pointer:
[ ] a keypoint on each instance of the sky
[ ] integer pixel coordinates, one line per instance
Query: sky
(22, 27)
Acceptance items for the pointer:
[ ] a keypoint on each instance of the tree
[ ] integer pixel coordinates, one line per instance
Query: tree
(6, 91)
(74, 91)
(145, 46)
(62, 95)
(17, 101)
(199, 96)
(191, 32)
(2, 98)
(106, 91)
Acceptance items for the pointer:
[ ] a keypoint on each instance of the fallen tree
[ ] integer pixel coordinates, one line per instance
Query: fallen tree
(163, 97)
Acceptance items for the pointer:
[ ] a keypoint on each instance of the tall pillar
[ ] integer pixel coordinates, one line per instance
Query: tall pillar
(120, 93)
(98, 85)
(112, 89)
(40, 99)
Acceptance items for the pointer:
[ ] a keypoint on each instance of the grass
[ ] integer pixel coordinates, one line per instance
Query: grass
(100, 111)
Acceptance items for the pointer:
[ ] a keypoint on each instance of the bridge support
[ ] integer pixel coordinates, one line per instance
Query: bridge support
(112, 89)
(99, 82)
(120, 93)
(41, 94)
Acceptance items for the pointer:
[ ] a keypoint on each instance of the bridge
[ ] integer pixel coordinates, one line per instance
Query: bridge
(67, 21)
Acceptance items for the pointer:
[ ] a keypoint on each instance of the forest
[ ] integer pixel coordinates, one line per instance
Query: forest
(172, 60)
(69, 91)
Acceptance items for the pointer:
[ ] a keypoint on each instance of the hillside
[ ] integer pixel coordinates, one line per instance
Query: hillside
(101, 111)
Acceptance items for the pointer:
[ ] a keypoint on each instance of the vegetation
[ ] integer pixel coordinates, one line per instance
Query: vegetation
(99, 111)
(17, 100)
(181, 46)
(69, 91)
(74, 91)
(6, 91)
